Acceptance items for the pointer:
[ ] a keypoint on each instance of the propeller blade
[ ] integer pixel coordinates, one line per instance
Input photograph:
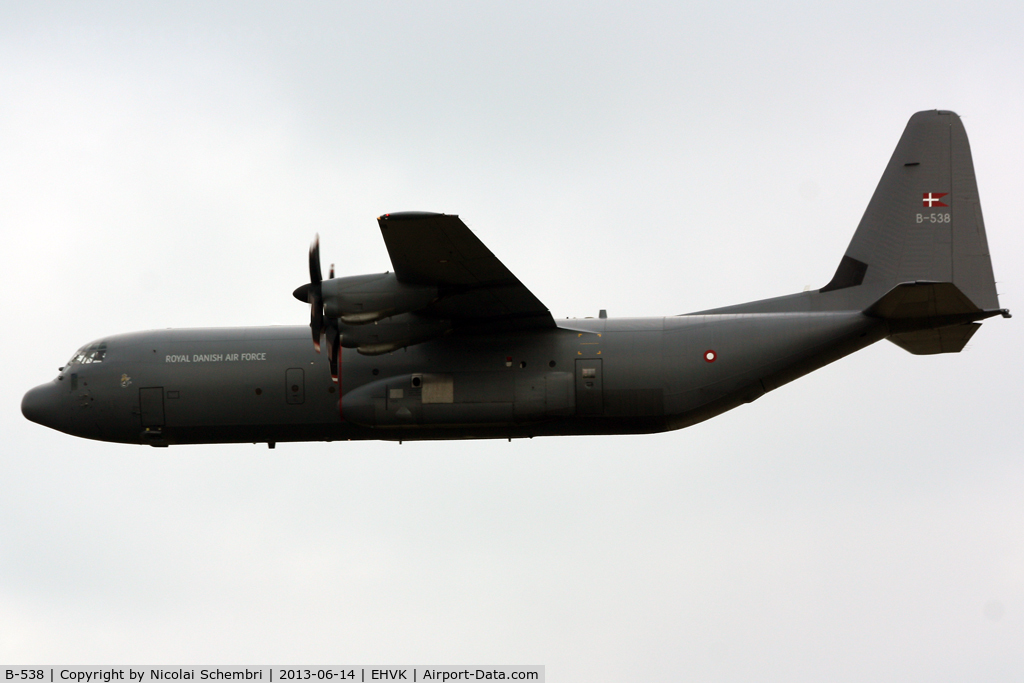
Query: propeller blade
(316, 320)
(314, 294)
(334, 341)
(314, 261)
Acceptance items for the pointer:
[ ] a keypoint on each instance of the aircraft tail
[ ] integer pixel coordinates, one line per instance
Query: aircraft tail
(924, 221)
(919, 259)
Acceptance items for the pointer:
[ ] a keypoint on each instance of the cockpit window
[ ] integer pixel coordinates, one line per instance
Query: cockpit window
(93, 353)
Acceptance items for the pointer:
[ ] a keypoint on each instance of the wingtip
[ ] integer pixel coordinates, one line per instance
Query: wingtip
(407, 215)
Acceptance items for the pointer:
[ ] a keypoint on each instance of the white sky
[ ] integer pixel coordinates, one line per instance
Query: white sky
(166, 165)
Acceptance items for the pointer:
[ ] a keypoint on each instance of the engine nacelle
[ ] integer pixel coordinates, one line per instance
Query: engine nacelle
(362, 299)
(392, 334)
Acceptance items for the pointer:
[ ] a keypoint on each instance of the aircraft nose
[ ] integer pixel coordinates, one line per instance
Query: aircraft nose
(41, 405)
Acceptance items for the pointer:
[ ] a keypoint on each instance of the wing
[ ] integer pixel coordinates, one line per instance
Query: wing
(476, 288)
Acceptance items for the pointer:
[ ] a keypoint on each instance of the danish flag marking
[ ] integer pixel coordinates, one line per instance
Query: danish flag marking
(931, 199)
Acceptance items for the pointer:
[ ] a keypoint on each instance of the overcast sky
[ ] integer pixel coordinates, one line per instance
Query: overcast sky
(166, 165)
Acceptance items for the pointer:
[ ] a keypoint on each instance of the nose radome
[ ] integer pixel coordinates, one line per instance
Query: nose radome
(41, 405)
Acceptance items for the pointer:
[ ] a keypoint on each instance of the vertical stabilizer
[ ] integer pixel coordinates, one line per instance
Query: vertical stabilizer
(924, 220)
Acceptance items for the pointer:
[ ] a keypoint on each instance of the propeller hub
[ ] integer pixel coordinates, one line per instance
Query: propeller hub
(303, 293)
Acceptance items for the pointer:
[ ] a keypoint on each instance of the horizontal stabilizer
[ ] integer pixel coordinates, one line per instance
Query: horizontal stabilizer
(929, 317)
(950, 339)
(916, 300)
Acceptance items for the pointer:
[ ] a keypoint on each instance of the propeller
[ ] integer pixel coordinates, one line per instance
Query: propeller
(312, 294)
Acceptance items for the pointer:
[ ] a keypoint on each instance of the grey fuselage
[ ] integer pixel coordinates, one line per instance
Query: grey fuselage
(457, 347)
(587, 376)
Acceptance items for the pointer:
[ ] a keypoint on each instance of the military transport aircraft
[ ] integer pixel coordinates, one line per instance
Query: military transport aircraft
(450, 345)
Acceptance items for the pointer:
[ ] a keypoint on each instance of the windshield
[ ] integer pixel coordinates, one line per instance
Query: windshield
(93, 353)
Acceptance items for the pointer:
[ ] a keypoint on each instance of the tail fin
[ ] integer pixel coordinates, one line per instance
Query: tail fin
(919, 259)
(924, 221)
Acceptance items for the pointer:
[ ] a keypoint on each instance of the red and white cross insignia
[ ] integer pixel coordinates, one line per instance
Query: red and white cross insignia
(932, 199)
